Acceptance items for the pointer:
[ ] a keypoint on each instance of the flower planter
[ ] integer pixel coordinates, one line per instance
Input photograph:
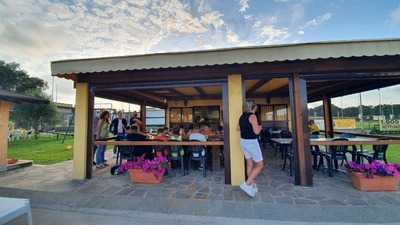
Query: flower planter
(139, 176)
(376, 183)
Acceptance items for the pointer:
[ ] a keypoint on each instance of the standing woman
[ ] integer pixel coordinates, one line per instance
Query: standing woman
(102, 132)
(249, 131)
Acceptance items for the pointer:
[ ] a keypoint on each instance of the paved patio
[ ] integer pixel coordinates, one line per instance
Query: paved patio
(192, 192)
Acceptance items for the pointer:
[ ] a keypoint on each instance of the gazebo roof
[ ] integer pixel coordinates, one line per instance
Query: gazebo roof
(19, 98)
(230, 56)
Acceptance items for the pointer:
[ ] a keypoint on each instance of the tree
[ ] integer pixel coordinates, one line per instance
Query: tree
(13, 78)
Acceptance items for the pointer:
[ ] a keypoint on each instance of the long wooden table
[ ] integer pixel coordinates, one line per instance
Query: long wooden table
(161, 143)
(214, 146)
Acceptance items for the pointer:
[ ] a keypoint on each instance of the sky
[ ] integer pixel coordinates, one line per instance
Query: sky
(35, 32)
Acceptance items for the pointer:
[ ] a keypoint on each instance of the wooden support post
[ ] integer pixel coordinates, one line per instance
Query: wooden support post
(225, 117)
(301, 139)
(4, 116)
(143, 113)
(90, 134)
(328, 121)
(234, 99)
(80, 131)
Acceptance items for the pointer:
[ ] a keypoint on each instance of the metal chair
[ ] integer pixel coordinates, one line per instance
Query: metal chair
(176, 156)
(288, 155)
(197, 153)
(335, 154)
(379, 153)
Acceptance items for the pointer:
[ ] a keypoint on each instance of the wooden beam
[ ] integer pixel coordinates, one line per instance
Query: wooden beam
(227, 150)
(143, 113)
(176, 92)
(195, 97)
(328, 121)
(118, 96)
(256, 86)
(301, 138)
(90, 134)
(370, 64)
(200, 91)
(335, 85)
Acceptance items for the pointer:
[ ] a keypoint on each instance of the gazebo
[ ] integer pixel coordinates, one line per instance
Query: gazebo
(281, 78)
(8, 98)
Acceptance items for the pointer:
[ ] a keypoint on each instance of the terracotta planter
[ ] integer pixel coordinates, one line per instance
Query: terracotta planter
(377, 183)
(12, 161)
(139, 176)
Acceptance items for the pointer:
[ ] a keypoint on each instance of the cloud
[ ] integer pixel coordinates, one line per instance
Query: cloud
(279, 1)
(274, 34)
(317, 21)
(213, 18)
(33, 32)
(244, 5)
(395, 15)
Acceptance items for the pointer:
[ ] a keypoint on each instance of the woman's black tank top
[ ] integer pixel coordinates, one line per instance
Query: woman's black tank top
(246, 130)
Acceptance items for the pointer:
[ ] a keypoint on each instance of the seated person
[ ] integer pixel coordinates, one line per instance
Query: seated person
(313, 128)
(162, 134)
(134, 134)
(206, 130)
(197, 135)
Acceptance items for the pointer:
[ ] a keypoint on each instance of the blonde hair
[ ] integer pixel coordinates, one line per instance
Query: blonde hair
(249, 106)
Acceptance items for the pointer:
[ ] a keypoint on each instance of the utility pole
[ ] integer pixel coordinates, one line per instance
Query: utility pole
(52, 88)
(361, 113)
(380, 109)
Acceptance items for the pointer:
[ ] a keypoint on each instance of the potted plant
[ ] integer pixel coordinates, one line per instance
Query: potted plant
(146, 171)
(376, 176)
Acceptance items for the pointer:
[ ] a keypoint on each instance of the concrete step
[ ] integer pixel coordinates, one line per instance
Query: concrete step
(209, 208)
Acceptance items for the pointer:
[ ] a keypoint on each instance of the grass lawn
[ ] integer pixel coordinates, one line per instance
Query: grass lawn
(44, 150)
(393, 154)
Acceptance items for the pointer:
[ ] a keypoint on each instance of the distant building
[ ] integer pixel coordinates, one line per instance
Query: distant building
(65, 114)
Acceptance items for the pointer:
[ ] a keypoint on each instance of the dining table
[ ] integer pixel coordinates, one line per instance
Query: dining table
(214, 146)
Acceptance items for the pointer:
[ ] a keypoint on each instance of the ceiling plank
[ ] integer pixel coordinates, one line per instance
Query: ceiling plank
(256, 86)
(200, 90)
(176, 92)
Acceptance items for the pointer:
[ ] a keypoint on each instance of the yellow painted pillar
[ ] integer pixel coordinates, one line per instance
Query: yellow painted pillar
(80, 131)
(235, 108)
(4, 116)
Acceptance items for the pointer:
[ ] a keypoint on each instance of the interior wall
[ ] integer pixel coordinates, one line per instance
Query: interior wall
(214, 102)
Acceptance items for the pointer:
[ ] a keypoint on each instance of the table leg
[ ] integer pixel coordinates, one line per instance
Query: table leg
(216, 160)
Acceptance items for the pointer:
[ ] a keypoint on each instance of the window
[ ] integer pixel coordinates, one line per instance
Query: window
(175, 115)
(280, 112)
(267, 113)
(155, 117)
(187, 115)
(273, 113)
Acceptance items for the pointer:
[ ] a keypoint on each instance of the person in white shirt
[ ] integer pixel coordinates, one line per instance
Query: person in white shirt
(197, 135)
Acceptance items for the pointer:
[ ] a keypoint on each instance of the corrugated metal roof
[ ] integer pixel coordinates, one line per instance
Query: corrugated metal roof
(270, 53)
(18, 98)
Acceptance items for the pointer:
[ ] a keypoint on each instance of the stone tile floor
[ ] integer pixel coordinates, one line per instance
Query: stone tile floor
(275, 186)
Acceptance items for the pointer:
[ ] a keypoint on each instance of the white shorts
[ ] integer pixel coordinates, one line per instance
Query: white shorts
(251, 149)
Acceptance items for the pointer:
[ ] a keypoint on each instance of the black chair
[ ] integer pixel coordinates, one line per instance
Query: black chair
(124, 152)
(379, 153)
(335, 154)
(197, 153)
(288, 156)
(317, 157)
(176, 157)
